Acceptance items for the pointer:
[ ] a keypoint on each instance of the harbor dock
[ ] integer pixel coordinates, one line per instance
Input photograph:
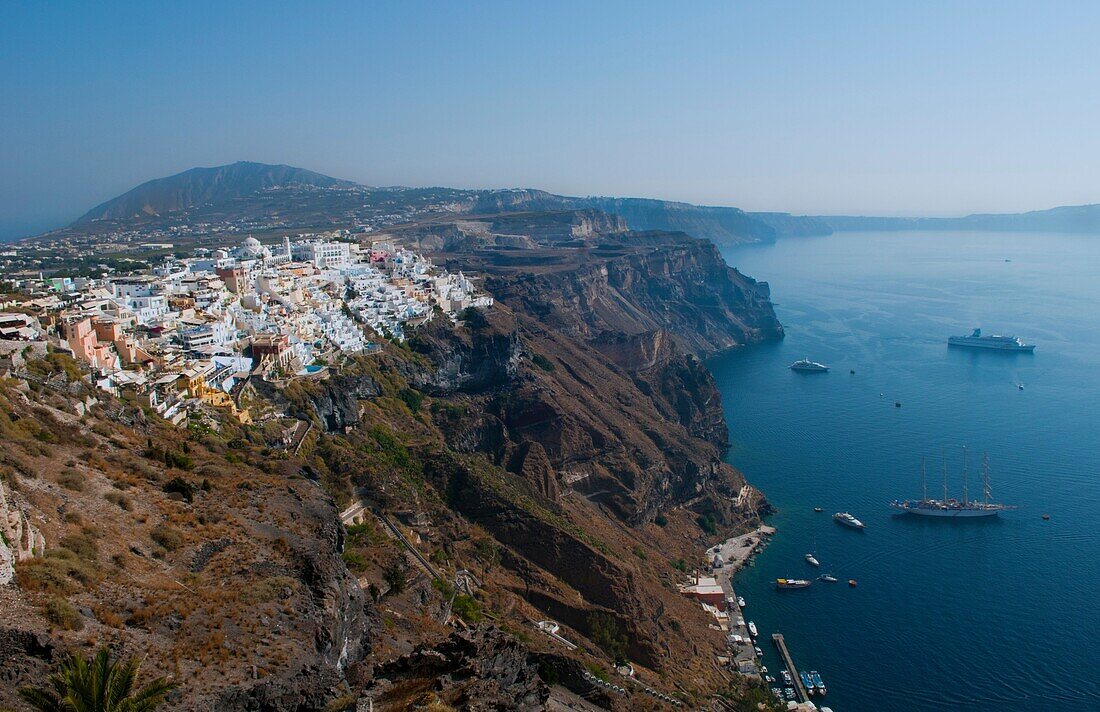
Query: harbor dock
(799, 688)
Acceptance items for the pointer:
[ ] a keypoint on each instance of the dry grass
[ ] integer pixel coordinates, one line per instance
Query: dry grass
(61, 613)
(71, 480)
(168, 537)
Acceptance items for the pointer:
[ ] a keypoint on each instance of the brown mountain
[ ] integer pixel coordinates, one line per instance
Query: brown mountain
(206, 186)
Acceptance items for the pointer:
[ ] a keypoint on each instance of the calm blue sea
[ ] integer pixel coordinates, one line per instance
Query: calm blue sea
(996, 614)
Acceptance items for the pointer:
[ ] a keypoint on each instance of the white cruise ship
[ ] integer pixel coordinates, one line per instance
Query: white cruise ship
(996, 342)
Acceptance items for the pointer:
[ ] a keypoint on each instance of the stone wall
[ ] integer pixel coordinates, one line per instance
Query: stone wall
(19, 540)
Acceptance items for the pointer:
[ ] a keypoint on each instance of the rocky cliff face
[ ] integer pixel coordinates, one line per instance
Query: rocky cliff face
(723, 225)
(333, 403)
(19, 539)
(644, 283)
(617, 401)
(559, 450)
(482, 669)
(720, 224)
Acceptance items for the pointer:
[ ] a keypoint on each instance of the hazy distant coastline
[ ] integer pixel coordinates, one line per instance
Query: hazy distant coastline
(204, 192)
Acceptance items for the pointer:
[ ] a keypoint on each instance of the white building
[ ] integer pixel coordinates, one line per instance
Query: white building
(322, 254)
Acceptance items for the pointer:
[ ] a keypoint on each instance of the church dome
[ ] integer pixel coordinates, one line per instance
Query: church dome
(250, 248)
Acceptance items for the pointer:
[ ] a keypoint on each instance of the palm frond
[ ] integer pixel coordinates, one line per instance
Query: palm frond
(97, 685)
(41, 699)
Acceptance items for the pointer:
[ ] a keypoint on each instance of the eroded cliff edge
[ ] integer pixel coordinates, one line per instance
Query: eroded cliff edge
(562, 448)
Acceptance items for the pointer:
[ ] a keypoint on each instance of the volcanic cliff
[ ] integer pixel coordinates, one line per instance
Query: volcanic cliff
(556, 456)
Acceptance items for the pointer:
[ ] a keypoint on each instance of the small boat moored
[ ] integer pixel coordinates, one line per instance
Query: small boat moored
(807, 682)
(853, 583)
(812, 560)
(741, 601)
(752, 629)
(784, 583)
(827, 578)
(818, 509)
(818, 682)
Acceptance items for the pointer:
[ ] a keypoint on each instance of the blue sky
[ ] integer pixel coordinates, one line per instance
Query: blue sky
(914, 108)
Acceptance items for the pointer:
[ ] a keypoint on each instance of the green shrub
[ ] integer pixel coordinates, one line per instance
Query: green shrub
(412, 398)
(61, 613)
(487, 550)
(472, 318)
(395, 574)
(355, 561)
(708, 524)
(542, 362)
(364, 535)
(661, 520)
(54, 363)
(596, 671)
(467, 608)
(390, 448)
(604, 631)
(445, 587)
(179, 460)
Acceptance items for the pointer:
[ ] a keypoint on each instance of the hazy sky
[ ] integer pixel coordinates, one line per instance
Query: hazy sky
(877, 107)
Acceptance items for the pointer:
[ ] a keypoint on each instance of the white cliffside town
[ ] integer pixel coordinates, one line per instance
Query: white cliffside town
(193, 328)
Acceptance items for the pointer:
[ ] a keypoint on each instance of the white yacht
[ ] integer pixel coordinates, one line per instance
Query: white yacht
(847, 520)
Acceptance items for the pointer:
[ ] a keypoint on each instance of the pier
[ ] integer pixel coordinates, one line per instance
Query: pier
(799, 688)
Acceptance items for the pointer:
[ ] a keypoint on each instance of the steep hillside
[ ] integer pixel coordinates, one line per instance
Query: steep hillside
(198, 549)
(554, 457)
(206, 186)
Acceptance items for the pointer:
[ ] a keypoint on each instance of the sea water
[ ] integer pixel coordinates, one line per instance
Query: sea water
(990, 614)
